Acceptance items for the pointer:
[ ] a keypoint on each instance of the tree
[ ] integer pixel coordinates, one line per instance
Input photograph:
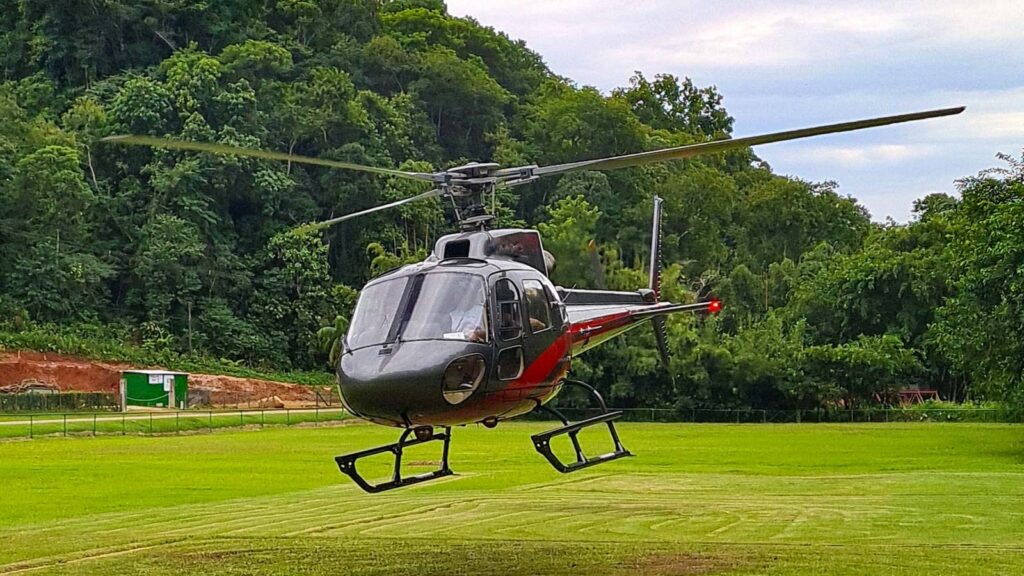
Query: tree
(783, 218)
(668, 104)
(165, 274)
(864, 370)
(566, 235)
(49, 211)
(294, 295)
(979, 328)
(331, 338)
(464, 102)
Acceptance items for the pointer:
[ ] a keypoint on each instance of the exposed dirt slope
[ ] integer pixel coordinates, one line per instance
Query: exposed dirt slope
(75, 374)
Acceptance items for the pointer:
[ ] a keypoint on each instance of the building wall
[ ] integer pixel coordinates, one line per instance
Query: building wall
(140, 391)
(181, 390)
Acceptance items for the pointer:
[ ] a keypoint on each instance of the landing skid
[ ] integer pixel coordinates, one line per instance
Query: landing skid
(347, 463)
(542, 441)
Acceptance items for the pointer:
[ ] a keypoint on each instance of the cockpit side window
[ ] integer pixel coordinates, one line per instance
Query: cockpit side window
(537, 306)
(510, 323)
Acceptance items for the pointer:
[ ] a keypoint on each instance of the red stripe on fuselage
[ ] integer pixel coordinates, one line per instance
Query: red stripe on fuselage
(543, 370)
(583, 332)
(553, 363)
(539, 379)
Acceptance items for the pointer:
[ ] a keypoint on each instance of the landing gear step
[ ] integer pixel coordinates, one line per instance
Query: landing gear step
(542, 441)
(347, 462)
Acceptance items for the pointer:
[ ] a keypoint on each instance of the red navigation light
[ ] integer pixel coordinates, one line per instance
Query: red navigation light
(715, 306)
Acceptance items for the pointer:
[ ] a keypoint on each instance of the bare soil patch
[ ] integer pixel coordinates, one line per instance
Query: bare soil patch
(70, 374)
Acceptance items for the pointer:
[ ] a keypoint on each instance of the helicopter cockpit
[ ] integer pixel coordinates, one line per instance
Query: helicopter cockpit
(436, 306)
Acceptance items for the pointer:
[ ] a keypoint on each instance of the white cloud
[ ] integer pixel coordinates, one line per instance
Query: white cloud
(851, 156)
(600, 42)
(991, 116)
(991, 126)
(784, 64)
(772, 36)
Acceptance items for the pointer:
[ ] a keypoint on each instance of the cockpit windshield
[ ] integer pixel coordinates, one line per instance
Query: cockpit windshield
(375, 313)
(441, 305)
(446, 305)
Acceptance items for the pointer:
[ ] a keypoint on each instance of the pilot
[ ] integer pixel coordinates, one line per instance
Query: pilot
(467, 318)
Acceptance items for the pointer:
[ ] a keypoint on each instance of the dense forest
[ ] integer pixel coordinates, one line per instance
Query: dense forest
(195, 255)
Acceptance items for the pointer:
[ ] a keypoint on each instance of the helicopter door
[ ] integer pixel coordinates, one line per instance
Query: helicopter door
(542, 322)
(508, 329)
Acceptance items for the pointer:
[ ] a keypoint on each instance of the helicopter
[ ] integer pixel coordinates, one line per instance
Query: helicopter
(477, 332)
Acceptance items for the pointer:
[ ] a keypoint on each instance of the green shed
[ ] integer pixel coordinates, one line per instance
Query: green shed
(155, 388)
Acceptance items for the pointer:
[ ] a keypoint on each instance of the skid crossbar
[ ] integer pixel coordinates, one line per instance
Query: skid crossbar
(347, 462)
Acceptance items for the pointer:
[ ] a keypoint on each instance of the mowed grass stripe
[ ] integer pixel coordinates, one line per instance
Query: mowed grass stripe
(880, 490)
(431, 556)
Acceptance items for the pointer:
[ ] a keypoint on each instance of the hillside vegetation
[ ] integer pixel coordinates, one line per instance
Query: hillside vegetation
(191, 253)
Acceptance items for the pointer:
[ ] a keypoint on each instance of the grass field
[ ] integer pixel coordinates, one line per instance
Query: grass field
(700, 499)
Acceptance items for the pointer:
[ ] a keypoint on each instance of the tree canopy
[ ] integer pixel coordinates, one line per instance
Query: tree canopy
(199, 254)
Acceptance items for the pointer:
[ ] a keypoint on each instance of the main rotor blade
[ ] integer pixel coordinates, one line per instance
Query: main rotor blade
(333, 221)
(213, 148)
(692, 150)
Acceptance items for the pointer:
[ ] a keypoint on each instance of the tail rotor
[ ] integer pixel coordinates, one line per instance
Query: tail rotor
(660, 335)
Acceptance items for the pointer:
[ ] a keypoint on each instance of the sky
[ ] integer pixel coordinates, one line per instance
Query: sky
(790, 64)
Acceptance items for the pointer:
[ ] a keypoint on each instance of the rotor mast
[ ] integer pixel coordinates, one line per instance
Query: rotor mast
(471, 183)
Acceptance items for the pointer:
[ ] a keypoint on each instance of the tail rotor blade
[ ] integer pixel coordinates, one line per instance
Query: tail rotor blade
(661, 340)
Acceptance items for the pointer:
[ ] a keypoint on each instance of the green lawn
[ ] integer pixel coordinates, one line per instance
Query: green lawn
(699, 499)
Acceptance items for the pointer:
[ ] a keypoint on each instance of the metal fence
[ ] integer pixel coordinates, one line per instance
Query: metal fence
(157, 423)
(798, 416)
(62, 402)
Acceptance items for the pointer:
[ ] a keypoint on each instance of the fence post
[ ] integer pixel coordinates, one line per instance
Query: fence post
(93, 425)
(150, 422)
(287, 417)
(263, 418)
(65, 425)
(177, 422)
(30, 419)
(764, 416)
(317, 416)
(123, 431)
(209, 414)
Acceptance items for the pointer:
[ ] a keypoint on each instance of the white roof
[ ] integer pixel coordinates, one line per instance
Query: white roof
(171, 372)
